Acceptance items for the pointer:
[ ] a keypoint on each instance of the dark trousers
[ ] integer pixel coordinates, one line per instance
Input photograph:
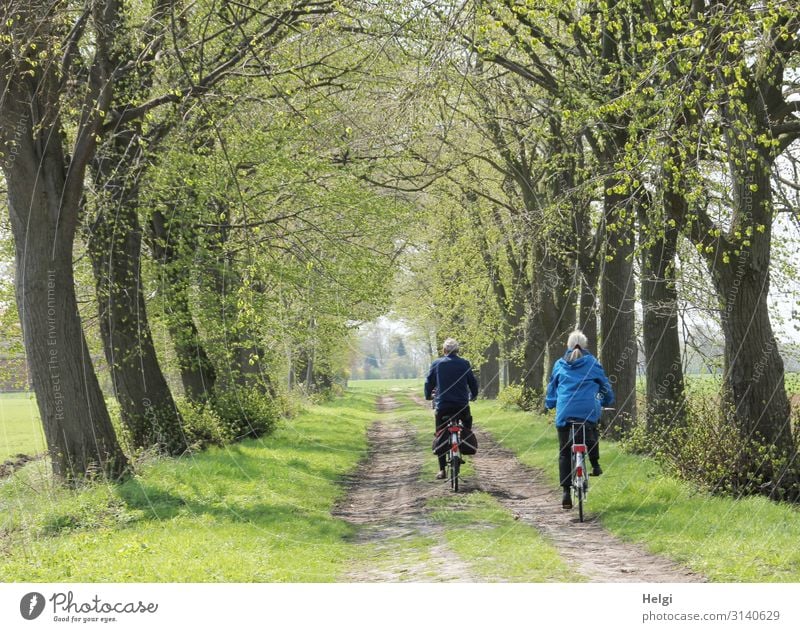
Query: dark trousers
(466, 419)
(592, 441)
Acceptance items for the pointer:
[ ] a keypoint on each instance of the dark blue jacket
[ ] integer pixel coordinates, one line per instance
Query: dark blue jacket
(454, 381)
(578, 390)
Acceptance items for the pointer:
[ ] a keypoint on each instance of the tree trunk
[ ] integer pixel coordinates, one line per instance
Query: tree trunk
(323, 381)
(588, 273)
(489, 372)
(197, 372)
(514, 344)
(558, 308)
(666, 403)
(290, 378)
(148, 409)
(309, 378)
(78, 430)
(247, 368)
(619, 350)
(514, 370)
(535, 343)
(587, 318)
(754, 387)
(243, 363)
(754, 373)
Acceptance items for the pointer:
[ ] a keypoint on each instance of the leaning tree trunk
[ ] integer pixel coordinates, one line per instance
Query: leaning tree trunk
(619, 351)
(244, 365)
(754, 388)
(197, 371)
(148, 410)
(78, 430)
(198, 375)
(489, 372)
(558, 309)
(115, 242)
(665, 396)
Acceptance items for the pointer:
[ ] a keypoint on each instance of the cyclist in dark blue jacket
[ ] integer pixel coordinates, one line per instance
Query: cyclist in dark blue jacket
(578, 390)
(452, 386)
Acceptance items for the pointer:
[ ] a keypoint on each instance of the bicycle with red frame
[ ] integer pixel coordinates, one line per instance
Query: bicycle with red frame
(454, 460)
(580, 475)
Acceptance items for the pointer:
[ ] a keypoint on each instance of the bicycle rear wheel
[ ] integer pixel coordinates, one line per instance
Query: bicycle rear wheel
(455, 466)
(578, 474)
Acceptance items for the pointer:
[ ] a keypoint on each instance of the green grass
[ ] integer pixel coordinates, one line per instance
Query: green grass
(20, 429)
(255, 511)
(497, 547)
(749, 539)
(260, 510)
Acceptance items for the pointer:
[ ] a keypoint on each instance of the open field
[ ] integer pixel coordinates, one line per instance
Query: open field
(20, 429)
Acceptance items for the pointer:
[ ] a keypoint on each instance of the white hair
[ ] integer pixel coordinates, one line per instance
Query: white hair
(576, 343)
(450, 345)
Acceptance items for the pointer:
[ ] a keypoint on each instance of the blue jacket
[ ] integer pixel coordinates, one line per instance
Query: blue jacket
(454, 381)
(578, 390)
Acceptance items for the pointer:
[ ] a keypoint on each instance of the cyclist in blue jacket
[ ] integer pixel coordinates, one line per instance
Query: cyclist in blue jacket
(578, 390)
(452, 386)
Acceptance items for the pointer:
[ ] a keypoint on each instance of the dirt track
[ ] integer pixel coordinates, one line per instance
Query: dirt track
(7, 468)
(587, 547)
(386, 500)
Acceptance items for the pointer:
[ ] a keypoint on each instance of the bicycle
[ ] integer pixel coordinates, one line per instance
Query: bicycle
(454, 459)
(580, 476)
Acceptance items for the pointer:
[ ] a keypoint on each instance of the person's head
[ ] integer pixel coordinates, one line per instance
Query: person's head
(576, 344)
(450, 346)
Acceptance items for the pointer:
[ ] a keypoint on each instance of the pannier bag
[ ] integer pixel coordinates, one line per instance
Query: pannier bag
(441, 442)
(469, 442)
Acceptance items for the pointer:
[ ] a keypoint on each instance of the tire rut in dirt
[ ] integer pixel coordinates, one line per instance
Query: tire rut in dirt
(386, 501)
(587, 546)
